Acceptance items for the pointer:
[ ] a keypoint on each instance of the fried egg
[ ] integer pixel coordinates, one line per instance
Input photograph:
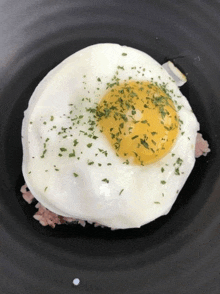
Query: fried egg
(108, 137)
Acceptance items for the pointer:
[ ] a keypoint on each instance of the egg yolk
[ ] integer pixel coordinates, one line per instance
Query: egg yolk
(140, 121)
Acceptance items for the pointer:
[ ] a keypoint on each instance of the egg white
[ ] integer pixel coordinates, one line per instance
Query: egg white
(134, 195)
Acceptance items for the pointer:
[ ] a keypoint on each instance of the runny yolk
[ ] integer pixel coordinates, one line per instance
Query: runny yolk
(140, 121)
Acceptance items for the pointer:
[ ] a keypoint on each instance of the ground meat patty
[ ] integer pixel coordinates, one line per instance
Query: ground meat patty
(48, 218)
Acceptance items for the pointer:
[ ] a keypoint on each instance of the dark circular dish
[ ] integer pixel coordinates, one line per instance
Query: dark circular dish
(177, 253)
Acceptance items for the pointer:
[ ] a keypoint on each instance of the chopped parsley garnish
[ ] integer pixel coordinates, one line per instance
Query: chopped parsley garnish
(42, 156)
(75, 142)
(179, 161)
(103, 152)
(121, 67)
(75, 175)
(72, 154)
(163, 182)
(124, 54)
(63, 149)
(144, 143)
(105, 180)
(126, 162)
(177, 172)
(121, 191)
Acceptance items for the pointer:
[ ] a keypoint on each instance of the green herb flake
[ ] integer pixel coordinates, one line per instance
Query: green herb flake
(144, 143)
(105, 180)
(124, 54)
(73, 154)
(133, 112)
(90, 162)
(75, 175)
(126, 162)
(163, 182)
(162, 169)
(177, 172)
(42, 156)
(63, 149)
(75, 142)
(121, 191)
(103, 152)
(179, 161)
(51, 118)
(89, 145)
(156, 202)
(45, 189)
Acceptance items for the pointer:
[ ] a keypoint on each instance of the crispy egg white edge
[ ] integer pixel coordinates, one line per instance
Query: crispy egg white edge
(59, 75)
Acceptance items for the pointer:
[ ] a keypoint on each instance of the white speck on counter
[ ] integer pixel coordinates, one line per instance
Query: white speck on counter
(76, 282)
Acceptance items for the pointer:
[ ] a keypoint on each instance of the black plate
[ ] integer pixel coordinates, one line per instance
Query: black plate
(178, 253)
